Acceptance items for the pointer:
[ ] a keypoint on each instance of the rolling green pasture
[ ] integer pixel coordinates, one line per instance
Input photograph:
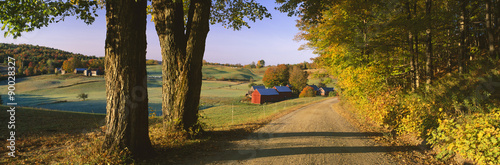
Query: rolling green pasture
(59, 92)
(218, 72)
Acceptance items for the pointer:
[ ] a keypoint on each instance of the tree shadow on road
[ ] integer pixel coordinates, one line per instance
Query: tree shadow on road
(259, 153)
(230, 152)
(264, 135)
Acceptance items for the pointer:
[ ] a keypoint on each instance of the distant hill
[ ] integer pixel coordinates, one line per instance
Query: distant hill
(36, 60)
(215, 72)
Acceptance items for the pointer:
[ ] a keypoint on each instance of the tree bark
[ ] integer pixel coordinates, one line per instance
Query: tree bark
(198, 28)
(490, 31)
(417, 65)
(497, 24)
(126, 86)
(428, 53)
(462, 60)
(411, 50)
(182, 49)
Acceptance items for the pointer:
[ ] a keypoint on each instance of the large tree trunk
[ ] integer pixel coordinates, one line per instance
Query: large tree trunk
(428, 53)
(198, 27)
(182, 49)
(126, 86)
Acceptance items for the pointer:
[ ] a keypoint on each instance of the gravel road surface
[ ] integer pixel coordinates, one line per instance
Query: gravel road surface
(315, 134)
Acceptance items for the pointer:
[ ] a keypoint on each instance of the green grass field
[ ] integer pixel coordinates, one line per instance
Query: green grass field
(59, 128)
(59, 92)
(218, 72)
(53, 137)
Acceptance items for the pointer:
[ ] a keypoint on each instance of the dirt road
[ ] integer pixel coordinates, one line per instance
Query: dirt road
(315, 134)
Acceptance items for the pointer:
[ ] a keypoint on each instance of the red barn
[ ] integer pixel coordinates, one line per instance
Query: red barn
(260, 96)
(284, 91)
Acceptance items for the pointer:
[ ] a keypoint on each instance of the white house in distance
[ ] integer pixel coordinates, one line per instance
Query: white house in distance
(59, 70)
(91, 72)
(325, 91)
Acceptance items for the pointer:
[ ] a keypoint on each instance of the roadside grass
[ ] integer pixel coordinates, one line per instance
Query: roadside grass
(53, 137)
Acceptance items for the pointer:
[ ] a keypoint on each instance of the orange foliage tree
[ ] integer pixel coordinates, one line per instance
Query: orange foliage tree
(276, 76)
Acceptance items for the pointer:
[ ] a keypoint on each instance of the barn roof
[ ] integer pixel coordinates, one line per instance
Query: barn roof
(315, 87)
(80, 69)
(282, 89)
(258, 87)
(267, 91)
(326, 89)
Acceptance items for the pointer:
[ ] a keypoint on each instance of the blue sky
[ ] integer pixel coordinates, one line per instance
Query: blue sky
(268, 39)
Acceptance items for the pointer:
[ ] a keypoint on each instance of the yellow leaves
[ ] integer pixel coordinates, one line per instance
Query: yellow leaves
(450, 147)
(480, 135)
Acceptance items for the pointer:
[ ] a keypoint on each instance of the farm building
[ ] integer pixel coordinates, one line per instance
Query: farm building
(79, 70)
(315, 88)
(95, 72)
(253, 88)
(59, 70)
(257, 87)
(260, 96)
(325, 91)
(91, 72)
(284, 91)
(87, 73)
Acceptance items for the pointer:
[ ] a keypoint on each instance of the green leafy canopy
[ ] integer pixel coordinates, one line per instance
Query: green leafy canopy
(27, 15)
(232, 13)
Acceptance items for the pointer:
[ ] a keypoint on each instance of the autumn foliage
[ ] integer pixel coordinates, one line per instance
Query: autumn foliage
(276, 76)
(35, 60)
(308, 92)
(427, 69)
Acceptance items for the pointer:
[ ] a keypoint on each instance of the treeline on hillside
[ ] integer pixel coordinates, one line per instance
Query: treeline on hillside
(36, 60)
(421, 67)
